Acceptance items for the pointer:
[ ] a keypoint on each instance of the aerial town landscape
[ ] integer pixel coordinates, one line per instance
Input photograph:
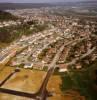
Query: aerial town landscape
(48, 51)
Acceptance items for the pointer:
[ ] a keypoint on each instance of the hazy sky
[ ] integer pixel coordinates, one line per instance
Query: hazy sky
(39, 1)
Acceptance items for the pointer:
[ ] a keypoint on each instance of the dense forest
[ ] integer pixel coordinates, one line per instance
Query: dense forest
(7, 16)
(8, 34)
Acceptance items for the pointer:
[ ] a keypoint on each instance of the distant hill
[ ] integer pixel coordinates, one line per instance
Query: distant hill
(7, 16)
(4, 6)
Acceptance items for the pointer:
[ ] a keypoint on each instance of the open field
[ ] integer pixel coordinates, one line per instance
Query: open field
(3, 45)
(30, 81)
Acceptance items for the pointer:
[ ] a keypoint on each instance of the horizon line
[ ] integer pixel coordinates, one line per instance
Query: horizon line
(51, 2)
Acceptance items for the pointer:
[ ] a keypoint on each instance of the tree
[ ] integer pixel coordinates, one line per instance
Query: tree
(5, 36)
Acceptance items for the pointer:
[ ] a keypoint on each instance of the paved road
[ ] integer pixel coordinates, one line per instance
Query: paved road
(42, 91)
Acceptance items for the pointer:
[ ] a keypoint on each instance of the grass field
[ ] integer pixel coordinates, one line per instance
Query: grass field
(29, 81)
